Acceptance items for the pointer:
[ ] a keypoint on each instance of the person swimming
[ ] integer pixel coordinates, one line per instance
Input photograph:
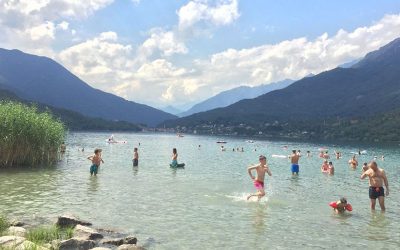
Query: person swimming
(341, 206)
(325, 167)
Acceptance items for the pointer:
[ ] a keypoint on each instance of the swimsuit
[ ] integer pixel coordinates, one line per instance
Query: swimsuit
(295, 168)
(174, 163)
(259, 185)
(375, 192)
(135, 162)
(93, 169)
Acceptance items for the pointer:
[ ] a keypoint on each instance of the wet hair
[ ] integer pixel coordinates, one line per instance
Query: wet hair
(135, 149)
(294, 151)
(374, 163)
(330, 163)
(174, 151)
(262, 157)
(365, 164)
(308, 151)
(343, 200)
(325, 161)
(97, 150)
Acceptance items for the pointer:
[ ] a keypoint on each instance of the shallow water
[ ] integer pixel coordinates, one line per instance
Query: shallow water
(204, 205)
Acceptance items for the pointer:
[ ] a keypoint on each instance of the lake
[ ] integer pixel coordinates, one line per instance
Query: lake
(204, 205)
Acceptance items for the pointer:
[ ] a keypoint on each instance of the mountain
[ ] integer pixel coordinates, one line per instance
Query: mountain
(43, 80)
(231, 96)
(370, 87)
(172, 110)
(72, 120)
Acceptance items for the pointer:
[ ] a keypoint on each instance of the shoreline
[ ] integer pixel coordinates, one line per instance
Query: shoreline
(67, 232)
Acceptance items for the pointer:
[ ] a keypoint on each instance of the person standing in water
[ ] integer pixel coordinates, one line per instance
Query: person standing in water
(353, 162)
(174, 157)
(135, 157)
(261, 169)
(294, 159)
(377, 177)
(96, 161)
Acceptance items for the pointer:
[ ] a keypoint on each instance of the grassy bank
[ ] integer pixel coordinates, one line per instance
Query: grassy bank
(27, 137)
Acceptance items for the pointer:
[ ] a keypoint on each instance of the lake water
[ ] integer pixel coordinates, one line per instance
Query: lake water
(203, 206)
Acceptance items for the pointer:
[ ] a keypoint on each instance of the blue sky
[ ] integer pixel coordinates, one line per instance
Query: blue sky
(178, 53)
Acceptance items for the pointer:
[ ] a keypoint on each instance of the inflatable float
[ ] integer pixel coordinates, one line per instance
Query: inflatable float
(348, 206)
(180, 165)
(279, 156)
(114, 142)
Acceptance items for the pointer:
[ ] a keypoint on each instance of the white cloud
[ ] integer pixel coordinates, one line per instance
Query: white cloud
(25, 24)
(223, 13)
(166, 42)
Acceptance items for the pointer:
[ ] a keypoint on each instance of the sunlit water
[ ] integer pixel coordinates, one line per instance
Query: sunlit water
(204, 205)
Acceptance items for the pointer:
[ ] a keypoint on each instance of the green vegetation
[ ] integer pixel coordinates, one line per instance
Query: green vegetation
(27, 137)
(74, 120)
(4, 224)
(44, 235)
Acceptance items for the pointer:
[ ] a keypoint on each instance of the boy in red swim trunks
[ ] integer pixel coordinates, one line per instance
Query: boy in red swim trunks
(261, 169)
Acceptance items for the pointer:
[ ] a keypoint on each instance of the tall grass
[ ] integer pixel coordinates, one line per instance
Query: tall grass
(48, 234)
(27, 137)
(4, 224)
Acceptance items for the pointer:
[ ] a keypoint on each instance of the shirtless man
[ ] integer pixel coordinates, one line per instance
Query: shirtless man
(96, 161)
(261, 169)
(353, 162)
(294, 159)
(377, 177)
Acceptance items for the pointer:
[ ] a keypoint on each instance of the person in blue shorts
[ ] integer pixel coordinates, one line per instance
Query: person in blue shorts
(294, 159)
(96, 161)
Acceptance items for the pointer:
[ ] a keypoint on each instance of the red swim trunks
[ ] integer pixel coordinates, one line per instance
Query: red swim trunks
(259, 185)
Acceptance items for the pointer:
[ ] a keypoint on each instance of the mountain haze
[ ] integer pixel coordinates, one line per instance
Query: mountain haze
(41, 79)
(231, 96)
(369, 87)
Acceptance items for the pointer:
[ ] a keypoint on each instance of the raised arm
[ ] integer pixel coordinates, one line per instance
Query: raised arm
(90, 158)
(363, 175)
(249, 169)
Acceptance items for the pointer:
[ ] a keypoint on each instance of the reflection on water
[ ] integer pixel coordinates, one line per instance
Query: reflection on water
(259, 218)
(93, 184)
(378, 226)
(135, 170)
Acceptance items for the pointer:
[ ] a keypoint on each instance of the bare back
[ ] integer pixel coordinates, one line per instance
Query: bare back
(294, 159)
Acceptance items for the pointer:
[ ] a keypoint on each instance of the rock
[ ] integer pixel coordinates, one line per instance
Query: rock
(76, 244)
(130, 240)
(70, 220)
(129, 247)
(100, 248)
(86, 233)
(10, 241)
(115, 242)
(16, 223)
(29, 245)
(16, 231)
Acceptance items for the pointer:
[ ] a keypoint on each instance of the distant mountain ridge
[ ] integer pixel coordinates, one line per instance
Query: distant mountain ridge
(231, 96)
(43, 80)
(369, 87)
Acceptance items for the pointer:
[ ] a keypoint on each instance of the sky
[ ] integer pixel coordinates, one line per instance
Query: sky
(181, 52)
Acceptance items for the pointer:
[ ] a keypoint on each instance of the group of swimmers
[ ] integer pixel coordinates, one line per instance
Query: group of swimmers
(377, 178)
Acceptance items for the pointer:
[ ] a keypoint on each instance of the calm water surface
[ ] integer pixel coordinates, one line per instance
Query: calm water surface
(204, 205)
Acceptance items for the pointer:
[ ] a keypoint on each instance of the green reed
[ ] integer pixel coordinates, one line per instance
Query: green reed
(27, 137)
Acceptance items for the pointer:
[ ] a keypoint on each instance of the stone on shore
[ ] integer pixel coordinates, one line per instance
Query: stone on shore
(70, 220)
(16, 231)
(86, 233)
(100, 248)
(115, 242)
(130, 240)
(76, 244)
(29, 245)
(10, 241)
(17, 223)
(129, 247)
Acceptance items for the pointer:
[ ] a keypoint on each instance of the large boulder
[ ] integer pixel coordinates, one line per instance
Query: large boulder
(130, 240)
(10, 241)
(129, 247)
(16, 231)
(86, 233)
(76, 244)
(115, 242)
(70, 221)
(100, 248)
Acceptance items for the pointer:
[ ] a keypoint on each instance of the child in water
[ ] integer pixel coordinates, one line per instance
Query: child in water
(341, 206)
(174, 157)
(96, 161)
(261, 169)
